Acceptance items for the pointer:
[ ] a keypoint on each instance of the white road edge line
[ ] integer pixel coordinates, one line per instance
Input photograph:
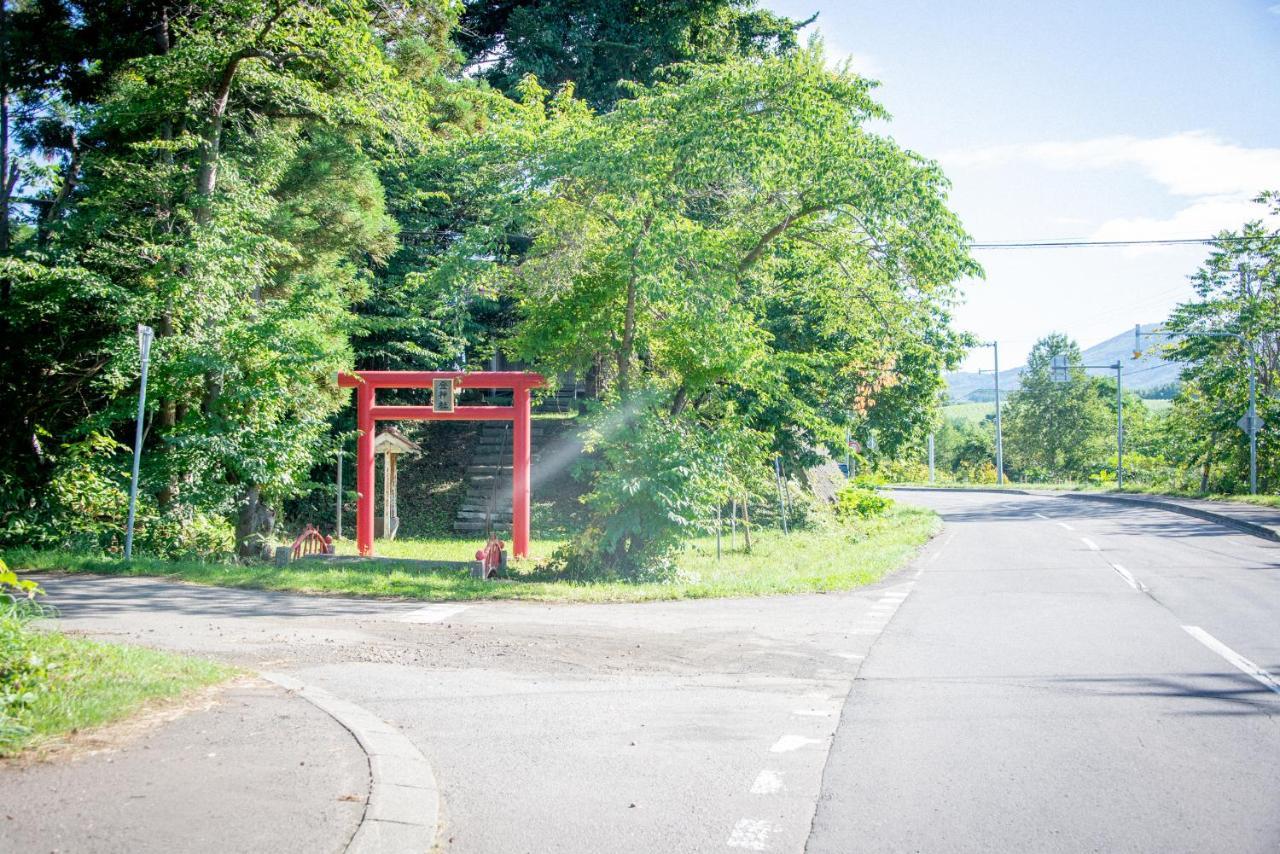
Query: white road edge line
(403, 810)
(1234, 658)
(1129, 579)
(1090, 543)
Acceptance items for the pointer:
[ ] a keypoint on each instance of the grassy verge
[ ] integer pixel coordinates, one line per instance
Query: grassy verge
(52, 684)
(805, 561)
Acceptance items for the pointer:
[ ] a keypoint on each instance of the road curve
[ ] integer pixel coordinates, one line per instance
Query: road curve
(1067, 677)
(1047, 675)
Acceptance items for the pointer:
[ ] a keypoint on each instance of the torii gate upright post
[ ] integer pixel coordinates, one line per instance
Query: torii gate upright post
(368, 413)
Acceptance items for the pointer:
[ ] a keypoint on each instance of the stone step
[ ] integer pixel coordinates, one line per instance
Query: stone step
(471, 516)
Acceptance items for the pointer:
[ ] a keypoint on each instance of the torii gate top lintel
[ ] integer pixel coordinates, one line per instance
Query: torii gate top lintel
(368, 412)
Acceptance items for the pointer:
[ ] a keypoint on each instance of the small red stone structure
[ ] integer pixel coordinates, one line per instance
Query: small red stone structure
(366, 384)
(311, 542)
(490, 559)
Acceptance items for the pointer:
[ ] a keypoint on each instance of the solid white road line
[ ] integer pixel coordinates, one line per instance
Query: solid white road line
(767, 783)
(1237, 660)
(1065, 525)
(431, 613)
(1090, 543)
(1129, 579)
(788, 743)
(752, 834)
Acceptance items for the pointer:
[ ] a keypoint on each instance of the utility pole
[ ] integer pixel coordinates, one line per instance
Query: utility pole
(337, 527)
(1250, 423)
(995, 352)
(1059, 373)
(931, 477)
(145, 337)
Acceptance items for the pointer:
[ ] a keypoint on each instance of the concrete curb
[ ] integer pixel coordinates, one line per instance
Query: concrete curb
(403, 811)
(1242, 525)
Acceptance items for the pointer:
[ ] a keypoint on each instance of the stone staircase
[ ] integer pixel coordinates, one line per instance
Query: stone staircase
(488, 476)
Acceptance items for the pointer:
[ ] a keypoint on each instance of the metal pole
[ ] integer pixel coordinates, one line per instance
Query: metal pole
(1253, 425)
(719, 525)
(995, 345)
(145, 335)
(1119, 427)
(337, 528)
(782, 505)
(848, 455)
(931, 478)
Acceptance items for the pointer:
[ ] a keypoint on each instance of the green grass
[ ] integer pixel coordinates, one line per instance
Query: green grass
(970, 412)
(805, 561)
(90, 683)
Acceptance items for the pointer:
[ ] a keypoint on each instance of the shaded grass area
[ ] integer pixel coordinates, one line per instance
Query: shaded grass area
(72, 683)
(826, 559)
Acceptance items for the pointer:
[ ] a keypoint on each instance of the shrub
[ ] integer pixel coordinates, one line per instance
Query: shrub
(24, 674)
(854, 502)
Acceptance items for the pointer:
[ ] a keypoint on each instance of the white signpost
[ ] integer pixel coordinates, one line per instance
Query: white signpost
(145, 337)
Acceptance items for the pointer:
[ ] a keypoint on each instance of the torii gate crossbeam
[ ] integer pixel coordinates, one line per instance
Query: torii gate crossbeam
(368, 412)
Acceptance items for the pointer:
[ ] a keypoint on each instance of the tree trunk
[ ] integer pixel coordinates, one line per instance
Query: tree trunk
(746, 523)
(254, 523)
(626, 351)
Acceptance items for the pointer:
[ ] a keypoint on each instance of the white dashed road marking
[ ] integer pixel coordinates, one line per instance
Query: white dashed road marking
(752, 834)
(1042, 516)
(1065, 525)
(1236, 660)
(767, 783)
(1129, 579)
(1090, 543)
(788, 743)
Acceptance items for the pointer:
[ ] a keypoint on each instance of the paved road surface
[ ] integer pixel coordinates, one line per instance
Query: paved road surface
(1026, 685)
(1057, 682)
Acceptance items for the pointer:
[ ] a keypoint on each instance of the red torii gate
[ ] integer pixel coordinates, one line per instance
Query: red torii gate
(368, 412)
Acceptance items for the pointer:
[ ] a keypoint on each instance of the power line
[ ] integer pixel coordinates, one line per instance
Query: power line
(1173, 241)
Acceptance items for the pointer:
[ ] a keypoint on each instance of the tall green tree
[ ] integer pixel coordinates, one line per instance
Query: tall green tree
(230, 197)
(1056, 430)
(601, 45)
(731, 252)
(1237, 291)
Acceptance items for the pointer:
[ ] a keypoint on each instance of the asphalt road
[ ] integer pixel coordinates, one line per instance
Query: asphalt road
(1027, 684)
(1059, 681)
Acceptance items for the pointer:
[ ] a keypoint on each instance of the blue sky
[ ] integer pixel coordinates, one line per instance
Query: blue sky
(1097, 120)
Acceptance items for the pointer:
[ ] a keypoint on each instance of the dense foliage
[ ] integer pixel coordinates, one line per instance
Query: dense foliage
(1238, 293)
(698, 221)
(740, 265)
(212, 170)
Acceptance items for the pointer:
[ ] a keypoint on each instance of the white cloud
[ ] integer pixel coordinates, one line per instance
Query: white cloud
(1217, 179)
(1202, 218)
(1186, 164)
(1275, 10)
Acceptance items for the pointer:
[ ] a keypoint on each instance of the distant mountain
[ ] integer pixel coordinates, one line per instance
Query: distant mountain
(1149, 372)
